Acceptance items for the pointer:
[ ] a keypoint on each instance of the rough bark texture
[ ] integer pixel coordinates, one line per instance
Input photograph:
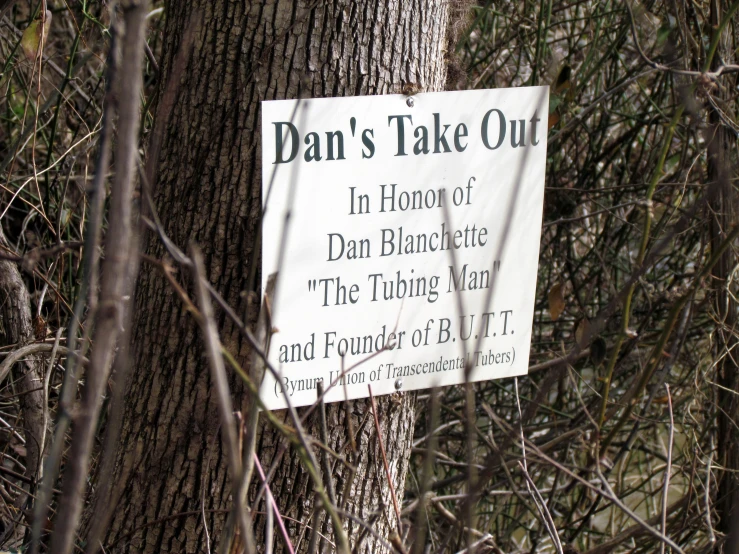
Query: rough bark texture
(725, 344)
(16, 328)
(207, 189)
(721, 170)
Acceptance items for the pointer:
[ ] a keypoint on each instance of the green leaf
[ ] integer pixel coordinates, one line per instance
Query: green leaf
(31, 39)
(554, 102)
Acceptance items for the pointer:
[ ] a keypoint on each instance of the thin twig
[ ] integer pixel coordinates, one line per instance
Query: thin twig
(668, 469)
(280, 523)
(34, 348)
(223, 394)
(531, 486)
(116, 285)
(384, 461)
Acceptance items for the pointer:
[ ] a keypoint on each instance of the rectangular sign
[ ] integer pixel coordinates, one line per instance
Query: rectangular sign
(405, 234)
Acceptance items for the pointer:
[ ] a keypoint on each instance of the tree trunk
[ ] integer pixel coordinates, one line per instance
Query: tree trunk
(17, 329)
(174, 489)
(723, 219)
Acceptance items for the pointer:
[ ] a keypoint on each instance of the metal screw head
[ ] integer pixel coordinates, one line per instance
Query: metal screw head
(398, 384)
(410, 102)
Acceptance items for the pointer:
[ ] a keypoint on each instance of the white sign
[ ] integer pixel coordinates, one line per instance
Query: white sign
(411, 248)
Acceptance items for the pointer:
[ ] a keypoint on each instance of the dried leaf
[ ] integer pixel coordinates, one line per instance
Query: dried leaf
(31, 39)
(39, 327)
(556, 301)
(553, 119)
(598, 351)
(582, 331)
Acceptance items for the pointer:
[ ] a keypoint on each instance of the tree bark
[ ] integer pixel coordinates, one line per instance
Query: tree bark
(17, 328)
(723, 218)
(174, 489)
